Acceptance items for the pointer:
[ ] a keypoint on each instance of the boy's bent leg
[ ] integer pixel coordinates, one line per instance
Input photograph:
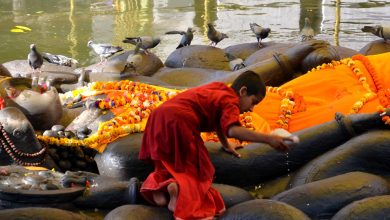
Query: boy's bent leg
(154, 188)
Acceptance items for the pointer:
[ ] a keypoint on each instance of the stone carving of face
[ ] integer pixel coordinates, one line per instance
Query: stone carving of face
(39, 103)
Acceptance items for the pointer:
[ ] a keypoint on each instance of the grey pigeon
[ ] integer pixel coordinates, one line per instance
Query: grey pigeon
(59, 59)
(133, 60)
(260, 32)
(234, 62)
(104, 50)
(146, 42)
(186, 38)
(378, 30)
(34, 58)
(214, 35)
(307, 32)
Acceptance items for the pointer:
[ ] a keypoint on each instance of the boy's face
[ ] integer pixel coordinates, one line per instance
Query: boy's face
(248, 102)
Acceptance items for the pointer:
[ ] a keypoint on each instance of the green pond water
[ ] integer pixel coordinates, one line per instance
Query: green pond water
(65, 26)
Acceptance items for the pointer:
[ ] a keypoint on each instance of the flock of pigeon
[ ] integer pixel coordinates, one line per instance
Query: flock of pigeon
(35, 59)
(105, 51)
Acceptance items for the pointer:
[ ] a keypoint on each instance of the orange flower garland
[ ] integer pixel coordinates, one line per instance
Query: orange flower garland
(290, 104)
(351, 64)
(369, 95)
(138, 100)
(383, 94)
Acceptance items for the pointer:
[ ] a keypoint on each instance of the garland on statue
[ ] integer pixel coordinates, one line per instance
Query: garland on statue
(137, 101)
(290, 104)
(382, 93)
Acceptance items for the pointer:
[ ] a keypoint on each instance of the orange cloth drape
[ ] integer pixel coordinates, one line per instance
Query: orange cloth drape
(327, 91)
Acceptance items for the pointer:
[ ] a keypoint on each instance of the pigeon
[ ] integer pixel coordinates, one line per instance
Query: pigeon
(307, 32)
(104, 50)
(214, 35)
(34, 58)
(234, 62)
(378, 30)
(147, 42)
(260, 32)
(133, 60)
(59, 59)
(185, 39)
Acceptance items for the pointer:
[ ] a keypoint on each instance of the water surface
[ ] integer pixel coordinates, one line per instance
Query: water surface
(65, 26)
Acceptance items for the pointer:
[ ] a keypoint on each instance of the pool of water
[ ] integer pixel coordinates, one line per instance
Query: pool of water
(65, 26)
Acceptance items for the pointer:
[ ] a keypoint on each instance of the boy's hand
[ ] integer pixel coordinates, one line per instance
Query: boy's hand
(231, 148)
(280, 143)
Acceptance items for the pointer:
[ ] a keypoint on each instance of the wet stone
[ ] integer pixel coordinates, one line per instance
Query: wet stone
(69, 134)
(84, 130)
(46, 174)
(61, 134)
(58, 128)
(31, 180)
(34, 179)
(49, 186)
(50, 133)
(82, 136)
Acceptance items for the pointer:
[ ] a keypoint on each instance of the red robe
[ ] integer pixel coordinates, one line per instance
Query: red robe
(172, 140)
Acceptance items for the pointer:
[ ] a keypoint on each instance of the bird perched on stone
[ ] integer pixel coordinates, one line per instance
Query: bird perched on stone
(186, 38)
(214, 35)
(59, 59)
(34, 58)
(378, 30)
(146, 42)
(235, 63)
(104, 50)
(260, 32)
(307, 32)
(133, 61)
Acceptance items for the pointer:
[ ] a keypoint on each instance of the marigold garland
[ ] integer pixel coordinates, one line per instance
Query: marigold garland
(95, 141)
(359, 74)
(291, 103)
(138, 100)
(382, 93)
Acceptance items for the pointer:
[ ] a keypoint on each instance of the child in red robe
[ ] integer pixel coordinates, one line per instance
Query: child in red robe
(183, 170)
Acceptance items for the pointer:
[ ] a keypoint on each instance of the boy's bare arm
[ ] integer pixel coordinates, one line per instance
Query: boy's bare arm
(245, 134)
(226, 145)
(222, 138)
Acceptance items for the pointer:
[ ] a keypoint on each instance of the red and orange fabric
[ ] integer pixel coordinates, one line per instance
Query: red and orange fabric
(329, 90)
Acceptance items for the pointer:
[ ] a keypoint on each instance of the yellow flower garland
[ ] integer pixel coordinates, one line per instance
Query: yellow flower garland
(142, 99)
(359, 74)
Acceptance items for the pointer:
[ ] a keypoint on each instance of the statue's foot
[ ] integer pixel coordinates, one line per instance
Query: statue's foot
(298, 53)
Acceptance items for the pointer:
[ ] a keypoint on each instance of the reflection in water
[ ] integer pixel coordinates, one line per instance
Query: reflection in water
(18, 5)
(72, 34)
(64, 27)
(205, 12)
(337, 24)
(311, 9)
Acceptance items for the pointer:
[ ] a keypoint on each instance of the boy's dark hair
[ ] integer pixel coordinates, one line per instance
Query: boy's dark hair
(253, 82)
